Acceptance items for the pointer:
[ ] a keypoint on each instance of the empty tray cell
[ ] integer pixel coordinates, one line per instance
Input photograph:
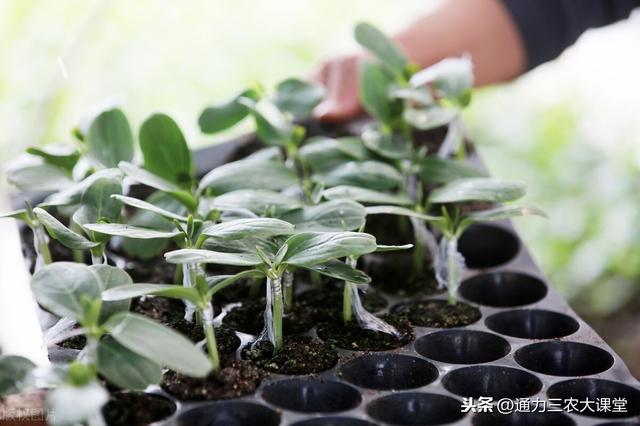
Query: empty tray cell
(532, 324)
(312, 396)
(503, 289)
(389, 372)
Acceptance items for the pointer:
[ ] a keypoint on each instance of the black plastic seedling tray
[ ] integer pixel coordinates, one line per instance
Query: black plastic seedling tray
(528, 346)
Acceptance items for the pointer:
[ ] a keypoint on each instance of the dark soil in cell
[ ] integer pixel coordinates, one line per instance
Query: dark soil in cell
(326, 303)
(171, 313)
(136, 409)
(248, 318)
(235, 379)
(431, 138)
(390, 229)
(159, 308)
(75, 342)
(394, 273)
(437, 313)
(354, 338)
(154, 270)
(299, 355)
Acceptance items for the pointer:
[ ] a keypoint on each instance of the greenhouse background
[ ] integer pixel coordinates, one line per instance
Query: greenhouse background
(569, 128)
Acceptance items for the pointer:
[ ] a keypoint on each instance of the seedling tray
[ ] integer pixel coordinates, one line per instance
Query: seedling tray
(528, 345)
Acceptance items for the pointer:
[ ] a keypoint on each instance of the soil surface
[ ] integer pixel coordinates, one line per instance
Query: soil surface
(136, 409)
(75, 342)
(248, 318)
(154, 270)
(394, 273)
(299, 355)
(235, 379)
(437, 313)
(326, 303)
(354, 338)
(171, 313)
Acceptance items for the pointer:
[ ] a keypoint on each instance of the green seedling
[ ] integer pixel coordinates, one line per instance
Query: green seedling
(126, 349)
(454, 221)
(272, 257)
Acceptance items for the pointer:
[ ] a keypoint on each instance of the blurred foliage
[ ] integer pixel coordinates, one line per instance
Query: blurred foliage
(574, 139)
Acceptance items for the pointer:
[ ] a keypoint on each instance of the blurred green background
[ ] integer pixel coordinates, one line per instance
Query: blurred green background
(571, 128)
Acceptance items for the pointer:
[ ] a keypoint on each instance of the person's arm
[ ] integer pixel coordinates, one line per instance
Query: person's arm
(504, 38)
(548, 27)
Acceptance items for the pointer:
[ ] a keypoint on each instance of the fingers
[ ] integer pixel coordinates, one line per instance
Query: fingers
(340, 77)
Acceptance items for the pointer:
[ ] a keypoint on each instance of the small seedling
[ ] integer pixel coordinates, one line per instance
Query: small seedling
(127, 349)
(272, 257)
(454, 221)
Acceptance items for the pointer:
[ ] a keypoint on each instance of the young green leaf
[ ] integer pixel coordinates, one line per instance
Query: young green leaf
(221, 117)
(124, 368)
(310, 248)
(340, 271)
(260, 202)
(158, 343)
(366, 196)
(165, 150)
(73, 193)
(393, 146)
(208, 256)
(159, 183)
(504, 212)
(38, 177)
(384, 248)
(241, 228)
(367, 174)
(373, 87)
(382, 47)
(15, 374)
(399, 211)
(61, 233)
(217, 283)
(272, 127)
(335, 215)
(452, 79)
(323, 154)
(153, 208)
(248, 175)
(61, 288)
(478, 189)
(428, 118)
(441, 170)
(108, 277)
(129, 231)
(17, 214)
(97, 204)
(110, 139)
(157, 212)
(298, 97)
(173, 291)
(60, 155)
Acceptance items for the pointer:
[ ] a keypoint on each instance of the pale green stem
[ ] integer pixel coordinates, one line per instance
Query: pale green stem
(97, 255)
(210, 336)
(287, 281)
(41, 246)
(189, 277)
(452, 270)
(347, 309)
(278, 311)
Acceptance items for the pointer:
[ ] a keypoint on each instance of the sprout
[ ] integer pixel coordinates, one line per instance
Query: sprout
(453, 221)
(126, 349)
(315, 251)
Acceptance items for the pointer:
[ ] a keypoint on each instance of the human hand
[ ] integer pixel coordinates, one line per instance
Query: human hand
(340, 77)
